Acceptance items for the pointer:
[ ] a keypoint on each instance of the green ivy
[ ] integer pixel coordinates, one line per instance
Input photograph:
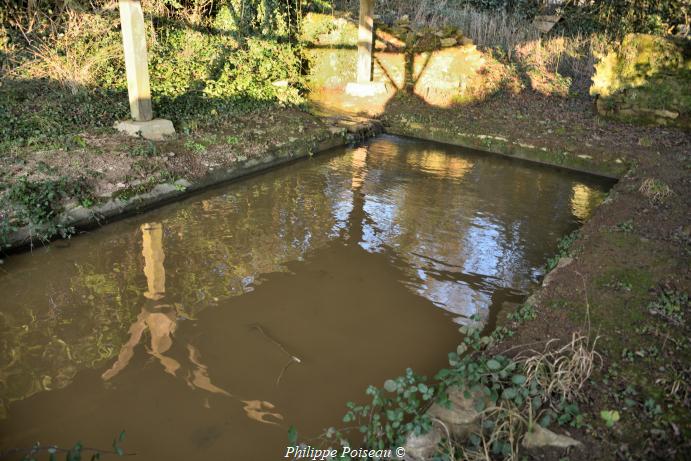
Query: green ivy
(39, 204)
(395, 410)
(496, 384)
(563, 249)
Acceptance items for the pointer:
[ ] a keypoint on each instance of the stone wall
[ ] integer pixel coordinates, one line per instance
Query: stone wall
(646, 79)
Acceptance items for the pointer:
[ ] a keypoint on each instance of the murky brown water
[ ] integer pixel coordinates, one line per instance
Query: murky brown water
(206, 328)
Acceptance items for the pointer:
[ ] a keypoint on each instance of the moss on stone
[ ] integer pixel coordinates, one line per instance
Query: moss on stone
(508, 148)
(646, 78)
(324, 29)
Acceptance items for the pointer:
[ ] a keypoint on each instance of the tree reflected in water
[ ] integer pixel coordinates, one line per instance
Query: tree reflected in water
(466, 231)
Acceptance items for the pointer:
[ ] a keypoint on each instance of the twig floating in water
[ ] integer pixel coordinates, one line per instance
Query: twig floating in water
(293, 358)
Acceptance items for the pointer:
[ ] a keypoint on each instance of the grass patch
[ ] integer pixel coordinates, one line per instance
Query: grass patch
(637, 282)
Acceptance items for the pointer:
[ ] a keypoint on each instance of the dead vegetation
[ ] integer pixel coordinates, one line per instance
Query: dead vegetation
(560, 374)
(655, 190)
(564, 371)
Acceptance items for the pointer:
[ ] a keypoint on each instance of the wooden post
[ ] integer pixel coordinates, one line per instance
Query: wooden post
(136, 61)
(364, 42)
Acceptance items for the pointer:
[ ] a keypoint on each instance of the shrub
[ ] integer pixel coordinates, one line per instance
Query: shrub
(619, 17)
(66, 73)
(252, 71)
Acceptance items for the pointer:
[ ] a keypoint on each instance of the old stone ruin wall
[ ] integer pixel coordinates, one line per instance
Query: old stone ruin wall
(438, 66)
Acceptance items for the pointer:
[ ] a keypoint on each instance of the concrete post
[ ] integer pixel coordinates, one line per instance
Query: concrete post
(364, 42)
(364, 86)
(136, 61)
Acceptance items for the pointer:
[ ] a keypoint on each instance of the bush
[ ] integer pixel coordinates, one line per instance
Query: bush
(252, 71)
(523, 8)
(71, 75)
(620, 17)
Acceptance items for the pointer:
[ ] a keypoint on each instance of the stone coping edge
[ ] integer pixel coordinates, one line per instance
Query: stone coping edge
(502, 146)
(83, 218)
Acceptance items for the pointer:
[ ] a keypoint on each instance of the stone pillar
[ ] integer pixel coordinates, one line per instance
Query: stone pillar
(136, 61)
(364, 42)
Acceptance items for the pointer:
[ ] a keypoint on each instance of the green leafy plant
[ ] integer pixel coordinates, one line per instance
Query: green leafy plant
(570, 414)
(195, 146)
(610, 417)
(394, 411)
(508, 394)
(625, 226)
(204, 67)
(652, 408)
(523, 313)
(39, 204)
(76, 452)
(563, 413)
(563, 249)
(670, 304)
(144, 149)
(618, 17)
(292, 435)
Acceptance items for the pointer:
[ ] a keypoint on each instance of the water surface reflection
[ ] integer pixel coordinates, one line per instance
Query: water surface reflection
(272, 300)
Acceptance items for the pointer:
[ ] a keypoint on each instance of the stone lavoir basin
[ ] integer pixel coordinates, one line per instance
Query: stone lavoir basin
(207, 327)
